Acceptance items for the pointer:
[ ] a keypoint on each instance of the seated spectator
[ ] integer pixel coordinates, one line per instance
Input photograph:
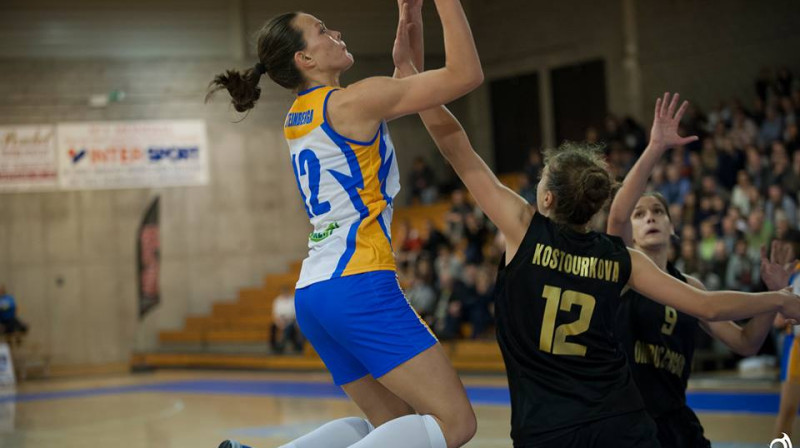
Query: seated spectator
(422, 297)
(782, 226)
(469, 302)
(9, 322)
(448, 263)
(744, 130)
(729, 233)
(756, 167)
(527, 189)
(432, 238)
(792, 138)
(533, 166)
(759, 233)
(284, 326)
(787, 109)
(781, 171)
(778, 200)
(459, 209)
(423, 183)
(689, 210)
(676, 187)
(742, 273)
(708, 241)
(740, 195)
(688, 262)
(730, 161)
(771, 128)
(475, 233)
(444, 309)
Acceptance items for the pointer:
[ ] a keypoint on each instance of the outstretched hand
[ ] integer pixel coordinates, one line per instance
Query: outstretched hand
(664, 133)
(402, 55)
(776, 271)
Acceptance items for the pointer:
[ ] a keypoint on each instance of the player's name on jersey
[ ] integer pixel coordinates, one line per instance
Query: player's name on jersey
(299, 118)
(659, 357)
(589, 267)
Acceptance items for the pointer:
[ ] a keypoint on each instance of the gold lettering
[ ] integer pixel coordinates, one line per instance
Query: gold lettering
(607, 270)
(584, 267)
(537, 255)
(546, 256)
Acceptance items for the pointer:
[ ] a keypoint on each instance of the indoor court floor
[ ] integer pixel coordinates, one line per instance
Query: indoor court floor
(198, 409)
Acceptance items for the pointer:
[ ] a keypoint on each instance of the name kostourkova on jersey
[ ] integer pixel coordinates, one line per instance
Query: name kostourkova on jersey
(582, 266)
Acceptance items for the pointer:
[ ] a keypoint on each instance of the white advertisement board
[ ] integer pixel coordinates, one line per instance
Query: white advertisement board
(28, 159)
(132, 154)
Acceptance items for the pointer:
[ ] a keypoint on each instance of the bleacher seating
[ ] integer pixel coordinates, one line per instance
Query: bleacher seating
(246, 321)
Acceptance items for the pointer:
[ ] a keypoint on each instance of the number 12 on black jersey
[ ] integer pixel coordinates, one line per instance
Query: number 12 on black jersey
(554, 339)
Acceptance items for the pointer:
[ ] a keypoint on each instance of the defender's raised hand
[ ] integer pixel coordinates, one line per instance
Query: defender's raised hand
(664, 133)
(776, 270)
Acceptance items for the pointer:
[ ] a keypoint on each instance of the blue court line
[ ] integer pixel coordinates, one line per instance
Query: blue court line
(729, 402)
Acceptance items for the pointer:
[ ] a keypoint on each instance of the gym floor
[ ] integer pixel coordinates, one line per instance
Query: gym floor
(198, 409)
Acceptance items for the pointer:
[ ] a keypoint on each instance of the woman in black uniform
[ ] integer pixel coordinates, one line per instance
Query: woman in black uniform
(658, 339)
(558, 292)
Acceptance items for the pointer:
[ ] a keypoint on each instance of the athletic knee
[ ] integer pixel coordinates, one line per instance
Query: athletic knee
(460, 428)
(361, 426)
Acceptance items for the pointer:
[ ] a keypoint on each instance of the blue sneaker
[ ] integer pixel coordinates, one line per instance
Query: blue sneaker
(232, 444)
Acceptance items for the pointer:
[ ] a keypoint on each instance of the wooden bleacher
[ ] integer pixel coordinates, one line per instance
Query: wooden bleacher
(247, 321)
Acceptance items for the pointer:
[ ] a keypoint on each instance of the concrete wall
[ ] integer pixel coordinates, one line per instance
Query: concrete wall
(713, 50)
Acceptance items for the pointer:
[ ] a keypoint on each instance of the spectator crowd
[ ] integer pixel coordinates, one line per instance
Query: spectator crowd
(730, 193)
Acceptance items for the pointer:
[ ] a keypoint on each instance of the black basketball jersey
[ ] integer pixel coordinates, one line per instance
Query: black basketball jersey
(556, 302)
(659, 342)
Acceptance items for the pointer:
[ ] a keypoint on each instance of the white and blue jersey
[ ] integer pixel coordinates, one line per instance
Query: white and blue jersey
(348, 301)
(348, 188)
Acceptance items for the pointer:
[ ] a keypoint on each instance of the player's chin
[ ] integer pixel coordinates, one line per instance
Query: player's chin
(654, 240)
(349, 60)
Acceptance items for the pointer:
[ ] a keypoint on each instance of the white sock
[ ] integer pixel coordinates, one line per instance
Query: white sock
(336, 434)
(408, 431)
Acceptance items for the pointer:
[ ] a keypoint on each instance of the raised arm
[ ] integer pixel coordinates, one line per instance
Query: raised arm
(663, 135)
(652, 282)
(747, 340)
(383, 98)
(506, 209)
(409, 28)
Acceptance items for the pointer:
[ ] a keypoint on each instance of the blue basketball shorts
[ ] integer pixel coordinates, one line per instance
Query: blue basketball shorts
(361, 324)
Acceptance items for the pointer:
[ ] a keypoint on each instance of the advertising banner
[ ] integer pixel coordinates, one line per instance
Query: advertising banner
(28, 159)
(132, 154)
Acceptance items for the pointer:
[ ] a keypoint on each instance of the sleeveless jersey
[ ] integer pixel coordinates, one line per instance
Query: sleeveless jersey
(556, 301)
(659, 341)
(348, 188)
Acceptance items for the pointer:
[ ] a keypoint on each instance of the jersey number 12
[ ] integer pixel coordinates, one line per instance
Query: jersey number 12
(554, 340)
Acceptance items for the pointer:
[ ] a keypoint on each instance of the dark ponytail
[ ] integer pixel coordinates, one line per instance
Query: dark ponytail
(278, 41)
(579, 180)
